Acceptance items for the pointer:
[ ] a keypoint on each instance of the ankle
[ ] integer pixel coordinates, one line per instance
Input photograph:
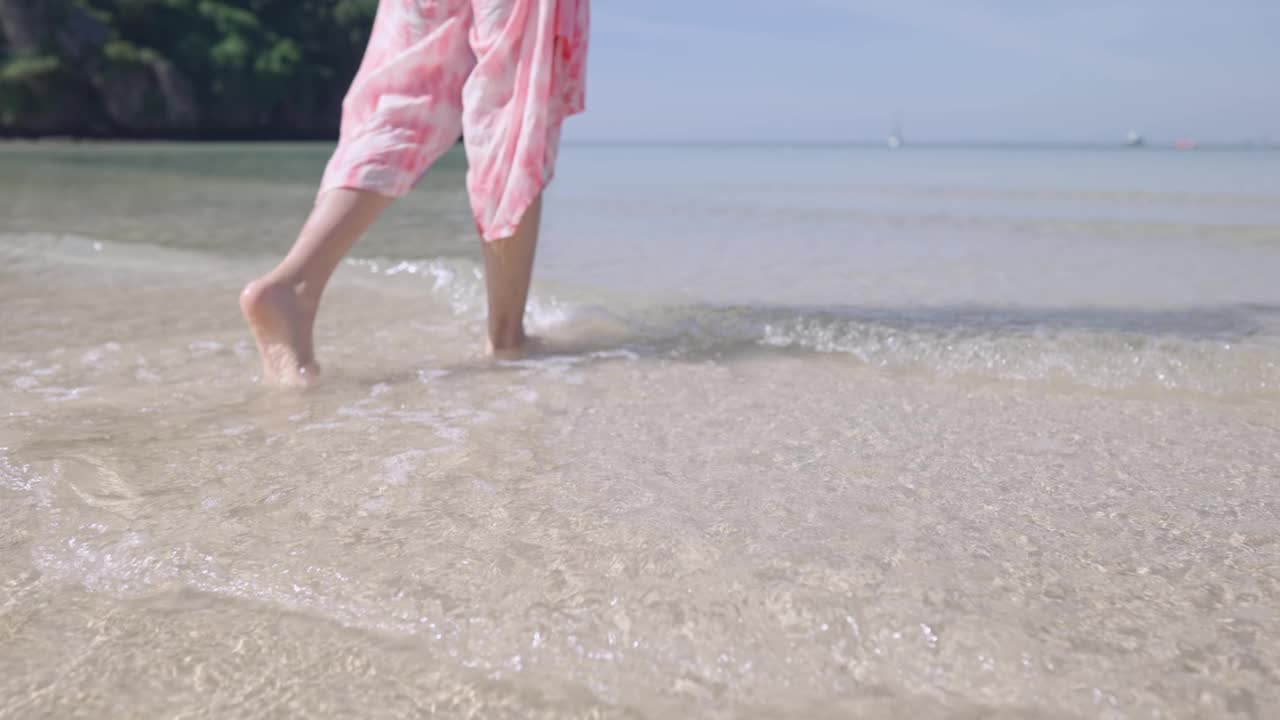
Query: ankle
(504, 337)
(256, 292)
(269, 286)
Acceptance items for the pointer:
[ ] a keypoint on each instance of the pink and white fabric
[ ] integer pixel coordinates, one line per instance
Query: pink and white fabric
(501, 73)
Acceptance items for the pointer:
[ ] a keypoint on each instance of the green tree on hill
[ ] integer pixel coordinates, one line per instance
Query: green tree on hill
(178, 67)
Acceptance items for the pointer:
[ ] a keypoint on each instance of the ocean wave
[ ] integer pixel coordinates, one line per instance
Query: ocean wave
(1222, 350)
(459, 282)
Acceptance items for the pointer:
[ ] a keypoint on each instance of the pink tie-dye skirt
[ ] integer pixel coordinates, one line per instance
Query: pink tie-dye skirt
(501, 73)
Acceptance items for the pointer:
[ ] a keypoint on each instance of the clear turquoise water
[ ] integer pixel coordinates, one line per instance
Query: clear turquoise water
(831, 432)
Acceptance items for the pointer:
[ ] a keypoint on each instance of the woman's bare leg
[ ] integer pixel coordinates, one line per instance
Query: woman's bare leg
(280, 306)
(508, 267)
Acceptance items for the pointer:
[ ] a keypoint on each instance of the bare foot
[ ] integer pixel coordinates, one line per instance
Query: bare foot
(528, 345)
(281, 324)
(512, 347)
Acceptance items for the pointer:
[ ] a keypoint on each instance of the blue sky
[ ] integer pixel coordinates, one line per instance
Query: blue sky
(964, 70)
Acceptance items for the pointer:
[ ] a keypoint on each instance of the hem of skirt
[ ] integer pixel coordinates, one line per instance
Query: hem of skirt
(549, 172)
(357, 181)
(505, 231)
(493, 236)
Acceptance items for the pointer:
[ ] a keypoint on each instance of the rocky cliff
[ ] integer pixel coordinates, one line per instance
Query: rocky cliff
(213, 68)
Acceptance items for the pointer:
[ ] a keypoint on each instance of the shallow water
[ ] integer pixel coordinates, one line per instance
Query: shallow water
(822, 433)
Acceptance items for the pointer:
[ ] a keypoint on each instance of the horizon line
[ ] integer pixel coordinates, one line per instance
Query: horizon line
(1160, 144)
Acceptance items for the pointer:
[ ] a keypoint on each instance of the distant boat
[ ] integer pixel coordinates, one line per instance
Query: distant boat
(1185, 144)
(1134, 139)
(895, 138)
